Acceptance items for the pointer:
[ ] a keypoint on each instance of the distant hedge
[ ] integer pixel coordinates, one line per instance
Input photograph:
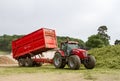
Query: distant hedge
(5, 41)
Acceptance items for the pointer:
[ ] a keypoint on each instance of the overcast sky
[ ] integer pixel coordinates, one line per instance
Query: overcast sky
(74, 18)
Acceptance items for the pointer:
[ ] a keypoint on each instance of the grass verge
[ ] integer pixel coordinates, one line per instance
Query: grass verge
(49, 68)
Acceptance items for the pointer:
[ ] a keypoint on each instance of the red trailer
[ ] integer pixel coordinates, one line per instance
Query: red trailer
(27, 47)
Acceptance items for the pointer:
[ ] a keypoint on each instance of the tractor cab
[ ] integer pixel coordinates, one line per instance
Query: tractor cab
(68, 46)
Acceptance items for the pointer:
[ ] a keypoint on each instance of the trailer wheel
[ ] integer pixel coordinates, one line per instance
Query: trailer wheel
(28, 62)
(74, 62)
(90, 62)
(37, 64)
(21, 62)
(58, 61)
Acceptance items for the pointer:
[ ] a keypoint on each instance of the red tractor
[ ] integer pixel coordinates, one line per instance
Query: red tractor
(71, 54)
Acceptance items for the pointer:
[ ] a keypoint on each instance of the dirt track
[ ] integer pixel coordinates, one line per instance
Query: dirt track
(59, 77)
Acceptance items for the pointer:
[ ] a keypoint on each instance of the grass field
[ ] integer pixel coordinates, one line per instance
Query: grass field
(48, 71)
(6, 70)
(4, 53)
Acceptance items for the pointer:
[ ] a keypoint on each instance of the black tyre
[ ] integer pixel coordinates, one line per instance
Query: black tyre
(74, 62)
(90, 62)
(28, 62)
(58, 61)
(21, 62)
(37, 64)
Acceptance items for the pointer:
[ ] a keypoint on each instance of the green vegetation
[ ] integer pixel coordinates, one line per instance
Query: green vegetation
(5, 42)
(95, 41)
(98, 40)
(107, 57)
(50, 69)
(117, 42)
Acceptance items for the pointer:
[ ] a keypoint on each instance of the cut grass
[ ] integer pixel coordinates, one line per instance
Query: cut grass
(50, 71)
(50, 68)
(107, 57)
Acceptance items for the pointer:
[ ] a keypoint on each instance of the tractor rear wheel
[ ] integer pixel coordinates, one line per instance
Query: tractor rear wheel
(21, 62)
(58, 61)
(90, 62)
(74, 62)
(28, 62)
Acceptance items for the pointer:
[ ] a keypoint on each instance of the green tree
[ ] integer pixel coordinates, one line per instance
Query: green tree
(102, 31)
(117, 42)
(100, 39)
(5, 41)
(94, 41)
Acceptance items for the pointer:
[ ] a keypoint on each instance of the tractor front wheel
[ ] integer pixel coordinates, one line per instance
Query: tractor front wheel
(90, 62)
(74, 62)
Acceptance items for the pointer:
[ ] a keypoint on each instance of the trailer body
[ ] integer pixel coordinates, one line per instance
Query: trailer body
(34, 43)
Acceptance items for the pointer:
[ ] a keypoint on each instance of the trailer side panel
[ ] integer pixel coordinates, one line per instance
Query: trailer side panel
(34, 43)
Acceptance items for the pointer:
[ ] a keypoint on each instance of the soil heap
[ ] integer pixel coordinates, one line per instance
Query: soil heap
(6, 60)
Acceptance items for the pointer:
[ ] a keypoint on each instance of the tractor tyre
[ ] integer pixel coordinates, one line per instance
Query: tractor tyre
(28, 62)
(90, 62)
(21, 62)
(58, 61)
(74, 62)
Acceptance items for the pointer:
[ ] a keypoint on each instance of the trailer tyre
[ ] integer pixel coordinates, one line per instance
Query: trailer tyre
(37, 64)
(28, 62)
(21, 62)
(58, 61)
(74, 62)
(90, 62)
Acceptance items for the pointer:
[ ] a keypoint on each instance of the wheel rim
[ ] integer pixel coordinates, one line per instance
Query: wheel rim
(57, 61)
(21, 62)
(26, 63)
(71, 63)
(74, 62)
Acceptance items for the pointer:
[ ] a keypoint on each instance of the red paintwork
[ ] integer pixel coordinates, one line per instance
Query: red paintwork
(80, 52)
(43, 60)
(34, 43)
(61, 52)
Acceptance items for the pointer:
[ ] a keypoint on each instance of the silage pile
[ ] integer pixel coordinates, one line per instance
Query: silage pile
(6, 60)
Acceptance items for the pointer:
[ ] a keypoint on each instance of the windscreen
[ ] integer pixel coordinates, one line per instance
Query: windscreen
(73, 46)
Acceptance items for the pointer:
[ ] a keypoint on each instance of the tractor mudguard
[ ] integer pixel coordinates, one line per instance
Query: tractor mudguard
(61, 52)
